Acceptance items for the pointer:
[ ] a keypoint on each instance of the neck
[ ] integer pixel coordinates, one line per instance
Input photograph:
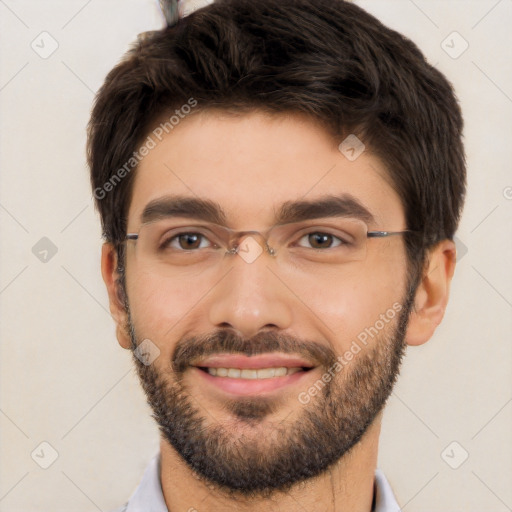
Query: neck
(346, 486)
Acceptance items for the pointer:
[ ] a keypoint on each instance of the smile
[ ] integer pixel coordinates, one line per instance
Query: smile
(252, 373)
(241, 375)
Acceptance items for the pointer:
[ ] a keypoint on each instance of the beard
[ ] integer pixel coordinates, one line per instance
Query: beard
(251, 455)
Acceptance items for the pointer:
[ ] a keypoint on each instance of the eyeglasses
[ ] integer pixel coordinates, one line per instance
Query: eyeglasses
(170, 247)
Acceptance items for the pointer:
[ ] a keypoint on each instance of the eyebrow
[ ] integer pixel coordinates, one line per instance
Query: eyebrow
(344, 205)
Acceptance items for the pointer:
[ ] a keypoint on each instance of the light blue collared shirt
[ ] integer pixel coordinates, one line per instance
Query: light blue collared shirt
(148, 497)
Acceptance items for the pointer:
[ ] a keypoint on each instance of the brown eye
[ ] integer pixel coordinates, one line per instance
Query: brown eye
(189, 241)
(185, 241)
(319, 240)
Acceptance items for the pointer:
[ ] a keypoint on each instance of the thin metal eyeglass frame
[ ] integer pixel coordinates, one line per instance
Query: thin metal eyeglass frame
(238, 234)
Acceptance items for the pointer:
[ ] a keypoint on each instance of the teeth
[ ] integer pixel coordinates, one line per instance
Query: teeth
(266, 373)
(281, 372)
(251, 374)
(221, 372)
(248, 374)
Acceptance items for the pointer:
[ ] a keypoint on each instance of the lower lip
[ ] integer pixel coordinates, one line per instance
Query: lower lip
(246, 387)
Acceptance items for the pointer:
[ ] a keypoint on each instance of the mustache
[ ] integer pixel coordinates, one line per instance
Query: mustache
(190, 350)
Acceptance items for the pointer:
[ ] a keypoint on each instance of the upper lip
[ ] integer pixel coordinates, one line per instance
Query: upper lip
(256, 361)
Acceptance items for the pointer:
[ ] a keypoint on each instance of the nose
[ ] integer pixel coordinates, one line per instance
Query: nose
(251, 297)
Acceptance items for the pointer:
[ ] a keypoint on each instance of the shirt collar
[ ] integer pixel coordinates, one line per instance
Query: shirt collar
(384, 498)
(149, 497)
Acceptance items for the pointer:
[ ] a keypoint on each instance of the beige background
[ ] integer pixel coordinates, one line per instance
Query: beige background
(64, 379)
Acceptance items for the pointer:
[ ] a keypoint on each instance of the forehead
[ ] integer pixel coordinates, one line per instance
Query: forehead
(251, 164)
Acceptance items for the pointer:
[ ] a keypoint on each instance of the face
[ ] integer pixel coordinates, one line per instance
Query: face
(269, 369)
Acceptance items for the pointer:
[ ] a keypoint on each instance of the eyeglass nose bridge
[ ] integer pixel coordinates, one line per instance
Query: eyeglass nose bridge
(237, 237)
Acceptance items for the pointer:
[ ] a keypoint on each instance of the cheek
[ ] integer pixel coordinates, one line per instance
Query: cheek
(382, 289)
(158, 307)
(161, 297)
(361, 299)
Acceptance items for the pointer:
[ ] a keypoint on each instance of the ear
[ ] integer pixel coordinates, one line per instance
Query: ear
(115, 294)
(432, 293)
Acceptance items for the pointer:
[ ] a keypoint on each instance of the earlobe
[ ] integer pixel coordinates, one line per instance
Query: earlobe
(432, 293)
(116, 296)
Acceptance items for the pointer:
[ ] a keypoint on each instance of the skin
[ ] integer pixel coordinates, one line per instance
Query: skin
(250, 164)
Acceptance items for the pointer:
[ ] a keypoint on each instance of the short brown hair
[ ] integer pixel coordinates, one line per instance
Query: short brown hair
(328, 59)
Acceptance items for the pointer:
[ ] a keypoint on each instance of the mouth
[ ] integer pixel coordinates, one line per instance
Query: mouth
(252, 375)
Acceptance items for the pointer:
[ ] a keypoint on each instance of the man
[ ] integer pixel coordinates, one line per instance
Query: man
(279, 183)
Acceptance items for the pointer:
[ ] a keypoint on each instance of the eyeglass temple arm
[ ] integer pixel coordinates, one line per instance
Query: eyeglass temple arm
(382, 234)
